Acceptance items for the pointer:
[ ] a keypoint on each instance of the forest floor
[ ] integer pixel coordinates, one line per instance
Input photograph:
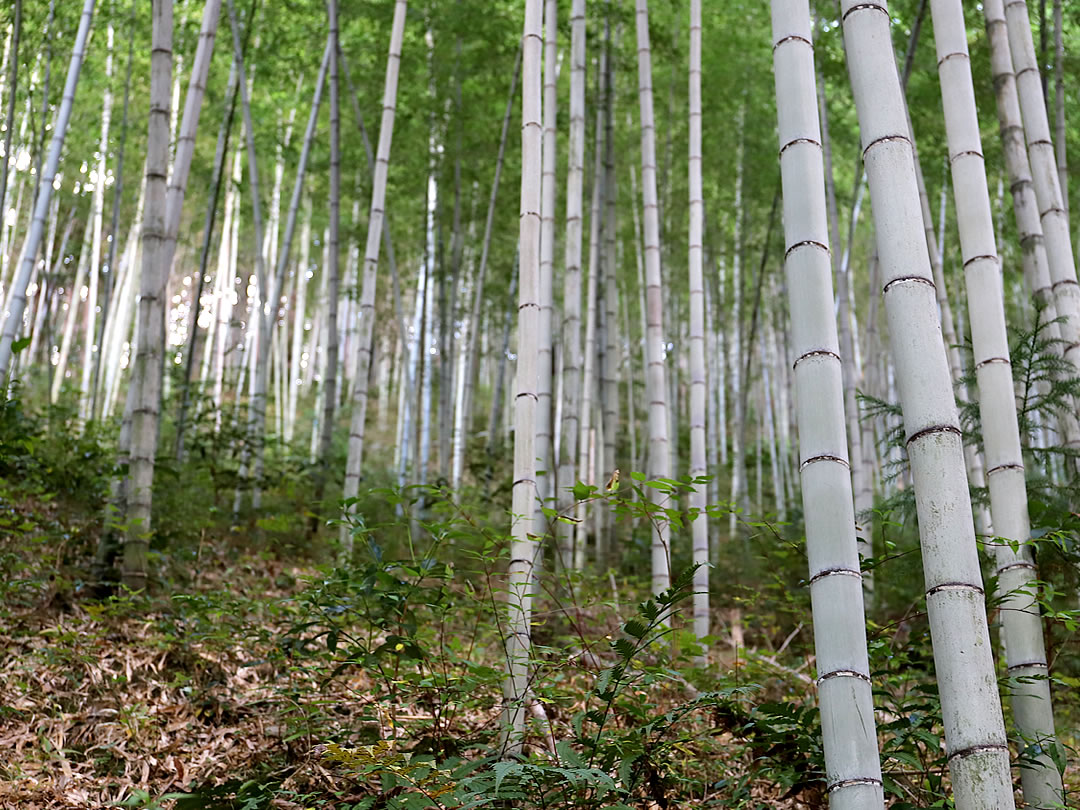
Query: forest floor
(200, 697)
(139, 703)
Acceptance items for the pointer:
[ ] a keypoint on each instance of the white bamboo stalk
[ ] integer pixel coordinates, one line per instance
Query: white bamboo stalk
(330, 375)
(1059, 107)
(864, 497)
(609, 393)
(17, 298)
(738, 451)
(656, 378)
(768, 376)
(1052, 213)
(1021, 624)
(98, 204)
(371, 264)
(197, 308)
(712, 410)
(463, 414)
(852, 767)
(227, 272)
(972, 456)
(569, 431)
(259, 320)
(627, 367)
(585, 463)
(72, 314)
(406, 405)
(524, 548)
(119, 324)
(721, 361)
(352, 273)
(1025, 204)
(698, 375)
(147, 368)
(299, 320)
(46, 288)
(545, 450)
(36, 289)
(283, 261)
(975, 739)
(427, 340)
(185, 141)
(11, 57)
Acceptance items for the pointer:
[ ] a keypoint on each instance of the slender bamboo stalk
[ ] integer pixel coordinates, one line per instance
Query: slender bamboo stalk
(1052, 213)
(147, 370)
(656, 377)
(118, 191)
(974, 729)
(185, 142)
(972, 456)
(299, 320)
(864, 503)
(331, 365)
(523, 549)
(569, 431)
(609, 395)
(371, 264)
(738, 415)
(1021, 624)
(545, 450)
(463, 414)
(90, 349)
(13, 84)
(17, 298)
(259, 324)
(1025, 205)
(1059, 107)
(853, 770)
(67, 335)
(220, 159)
(698, 375)
(585, 463)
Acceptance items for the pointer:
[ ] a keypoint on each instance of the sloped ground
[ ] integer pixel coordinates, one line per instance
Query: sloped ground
(118, 703)
(128, 703)
(99, 706)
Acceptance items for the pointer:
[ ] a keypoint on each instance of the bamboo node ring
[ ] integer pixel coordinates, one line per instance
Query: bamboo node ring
(955, 586)
(792, 38)
(1013, 566)
(815, 353)
(981, 257)
(806, 243)
(844, 783)
(986, 748)
(795, 141)
(885, 139)
(823, 457)
(842, 673)
(902, 279)
(1026, 664)
(828, 572)
(864, 7)
(933, 429)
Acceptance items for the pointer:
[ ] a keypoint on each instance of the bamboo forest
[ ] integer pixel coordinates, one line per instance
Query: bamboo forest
(540, 404)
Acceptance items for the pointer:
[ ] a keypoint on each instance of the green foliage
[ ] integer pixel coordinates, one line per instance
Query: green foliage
(50, 453)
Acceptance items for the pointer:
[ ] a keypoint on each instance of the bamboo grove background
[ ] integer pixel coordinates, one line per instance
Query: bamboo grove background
(380, 413)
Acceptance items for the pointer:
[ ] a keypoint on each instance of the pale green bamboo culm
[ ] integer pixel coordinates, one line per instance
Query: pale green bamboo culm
(852, 765)
(975, 740)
